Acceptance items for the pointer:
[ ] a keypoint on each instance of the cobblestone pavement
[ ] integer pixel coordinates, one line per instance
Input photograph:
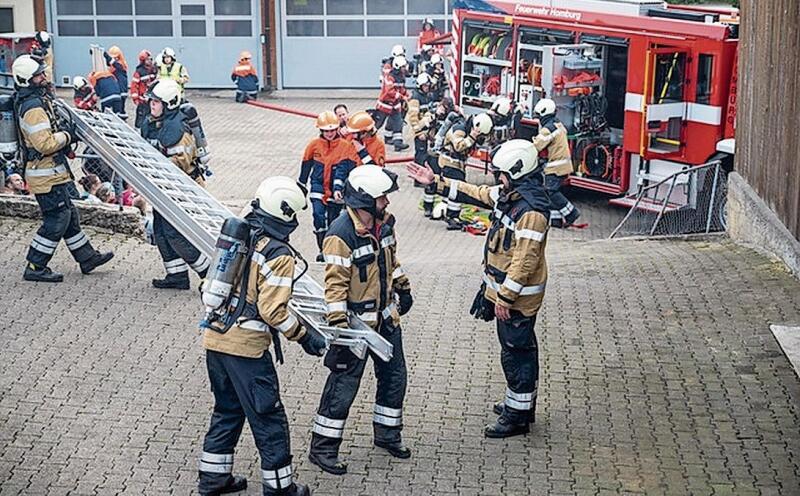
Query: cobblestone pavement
(660, 375)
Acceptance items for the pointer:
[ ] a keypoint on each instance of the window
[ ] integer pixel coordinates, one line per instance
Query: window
(304, 28)
(153, 28)
(345, 7)
(152, 7)
(75, 28)
(74, 7)
(346, 28)
(425, 7)
(233, 28)
(232, 7)
(669, 81)
(113, 7)
(704, 72)
(193, 28)
(114, 28)
(384, 7)
(304, 7)
(191, 10)
(385, 28)
(7, 20)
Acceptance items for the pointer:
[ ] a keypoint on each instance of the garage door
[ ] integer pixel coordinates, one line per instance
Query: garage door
(207, 35)
(340, 43)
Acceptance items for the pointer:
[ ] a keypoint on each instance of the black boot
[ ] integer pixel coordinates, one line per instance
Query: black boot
(427, 210)
(235, 484)
(397, 449)
(41, 274)
(173, 281)
(328, 462)
(454, 224)
(296, 489)
(499, 408)
(399, 146)
(96, 261)
(504, 428)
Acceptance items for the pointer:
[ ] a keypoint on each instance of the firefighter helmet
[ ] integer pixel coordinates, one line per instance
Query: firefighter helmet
(43, 38)
(516, 158)
(168, 52)
(144, 55)
(115, 52)
(428, 21)
(398, 50)
(79, 82)
(436, 59)
(502, 106)
(360, 122)
(26, 68)
(280, 197)
(423, 79)
(367, 183)
(399, 62)
(167, 92)
(483, 123)
(245, 55)
(327, 121)
(545, 107)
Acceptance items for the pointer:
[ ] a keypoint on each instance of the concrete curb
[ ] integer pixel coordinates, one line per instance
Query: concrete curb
(126, 221)
(753, 223)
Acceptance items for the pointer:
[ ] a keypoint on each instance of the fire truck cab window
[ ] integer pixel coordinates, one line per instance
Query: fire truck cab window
(704, 72)
(670, 78)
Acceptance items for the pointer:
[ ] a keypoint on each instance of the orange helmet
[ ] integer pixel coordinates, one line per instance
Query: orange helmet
(144, 55)
(245, 56)
(360, 122)
(327, 121)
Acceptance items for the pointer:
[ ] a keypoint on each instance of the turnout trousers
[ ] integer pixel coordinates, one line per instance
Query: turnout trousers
(341, 388)
(245, 388)
(393, 131)
(423, 157)
(562, 212)
(519, 356)
(323, 215)
(60, 220)
(453, 207)
(177, 253)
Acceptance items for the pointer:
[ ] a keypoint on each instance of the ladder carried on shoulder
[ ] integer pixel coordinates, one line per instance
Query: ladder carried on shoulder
(199, 216)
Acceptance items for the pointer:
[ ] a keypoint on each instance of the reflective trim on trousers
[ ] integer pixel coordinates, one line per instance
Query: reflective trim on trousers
(519, 401)
(451, 205)
(216, 463)
(328, 427)
(390, 417)
(176, 266)
(278, 479)
(200, 264)
(76, 242)
(43, 245)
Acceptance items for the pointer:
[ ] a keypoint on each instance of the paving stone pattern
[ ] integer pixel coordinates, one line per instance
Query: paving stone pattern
(660, 375)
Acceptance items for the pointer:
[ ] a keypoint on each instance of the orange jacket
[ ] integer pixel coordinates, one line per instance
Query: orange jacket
(425, 37)
(374, 151)
(320, 160)
(393, 93)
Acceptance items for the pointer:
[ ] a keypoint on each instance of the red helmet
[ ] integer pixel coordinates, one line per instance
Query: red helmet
(144, 55)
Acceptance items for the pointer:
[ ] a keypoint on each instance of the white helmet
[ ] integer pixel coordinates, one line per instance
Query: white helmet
(43, 37)
(423, 79)
(398, 50)
(367, 183)
(483, 123)
(25, 68)
(167, 91)
(168, 52)
(399, 62)
(159, 60)
(79, 82)
(436, 59)
(280, 197)
(545, 107)
(516, 158)
(502, 106)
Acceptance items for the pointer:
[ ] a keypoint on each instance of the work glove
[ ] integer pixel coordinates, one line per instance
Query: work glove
(405, 301)
(482, 309)
(313, 343)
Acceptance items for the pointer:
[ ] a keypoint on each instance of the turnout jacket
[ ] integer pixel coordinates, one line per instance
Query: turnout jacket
(393, 93)
(362, 272)
(321, 160)
(553, 138)
(269, 288)
(45, 146)
(170, 135)
(85, 98)
(515, 269)
(106, 86)
(457, 146)
(420, 114)
(142, 78)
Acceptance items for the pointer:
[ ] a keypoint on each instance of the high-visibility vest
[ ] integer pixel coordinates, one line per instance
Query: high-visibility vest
(173, 73)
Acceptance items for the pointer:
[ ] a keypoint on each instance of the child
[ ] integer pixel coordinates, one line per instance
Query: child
(246, 79)
(119, 69)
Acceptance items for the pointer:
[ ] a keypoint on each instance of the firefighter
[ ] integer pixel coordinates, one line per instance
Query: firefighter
(170, 68)
(459, 142)
(363, 276)
(369, 146)
(119, 69)
(45, 144)
(428, 33)
(107, 89)
(515, 271)
(240, 369)
(84, 96)
(444, 109)
(507, 117)
(386, 64)
(42, 52)
(144, 75)
(391, 103)
(420, 116)
(435, 69)
(167, 131)
(552, 137)
(246, 78)
(322, 157)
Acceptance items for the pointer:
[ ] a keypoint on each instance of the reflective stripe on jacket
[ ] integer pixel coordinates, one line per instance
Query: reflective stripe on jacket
(553, 138)
(320, 161)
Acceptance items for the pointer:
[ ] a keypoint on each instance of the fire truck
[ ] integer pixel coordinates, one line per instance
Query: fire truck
(644, 89)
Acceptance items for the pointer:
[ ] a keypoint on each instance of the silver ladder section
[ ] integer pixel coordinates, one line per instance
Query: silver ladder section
(199, 217)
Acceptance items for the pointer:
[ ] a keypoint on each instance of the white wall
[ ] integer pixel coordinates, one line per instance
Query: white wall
(23, 14)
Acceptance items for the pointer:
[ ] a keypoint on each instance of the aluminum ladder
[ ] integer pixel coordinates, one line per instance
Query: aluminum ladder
(199, 216)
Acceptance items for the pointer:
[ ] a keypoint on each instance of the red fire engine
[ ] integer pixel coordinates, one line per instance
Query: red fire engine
(645, 90)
